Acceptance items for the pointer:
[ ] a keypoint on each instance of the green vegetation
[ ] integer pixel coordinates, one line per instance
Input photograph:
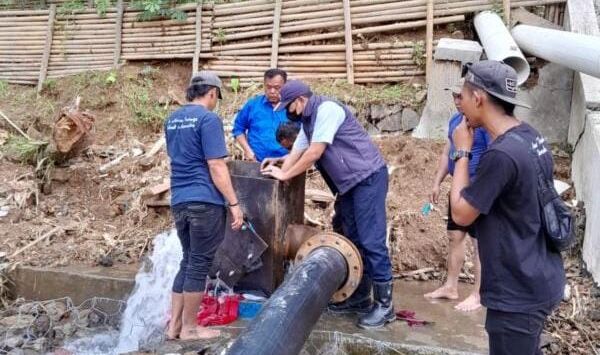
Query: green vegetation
(111, 78)
(70, 7)
(3, 87)
(145, 109)
(418, 54)
(102, 6)
(160, 9)
(22, 149)
(235, 85)
(361, 96)
(498, 8)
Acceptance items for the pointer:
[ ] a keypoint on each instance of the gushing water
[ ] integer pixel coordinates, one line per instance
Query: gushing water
(145, 318)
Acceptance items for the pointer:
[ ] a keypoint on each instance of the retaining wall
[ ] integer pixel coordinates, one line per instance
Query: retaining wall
(584, 136)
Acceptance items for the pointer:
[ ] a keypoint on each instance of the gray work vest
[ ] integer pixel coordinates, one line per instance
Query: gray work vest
(352, 156)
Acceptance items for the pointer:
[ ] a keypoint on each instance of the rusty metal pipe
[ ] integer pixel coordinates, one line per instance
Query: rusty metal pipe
(288, 316)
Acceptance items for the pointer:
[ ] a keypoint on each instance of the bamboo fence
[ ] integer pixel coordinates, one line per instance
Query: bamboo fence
(308, 38)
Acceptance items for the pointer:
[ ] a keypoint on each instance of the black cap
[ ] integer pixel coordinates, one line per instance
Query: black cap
(495, 78)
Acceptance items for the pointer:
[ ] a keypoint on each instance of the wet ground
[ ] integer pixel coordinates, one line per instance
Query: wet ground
(452, 332)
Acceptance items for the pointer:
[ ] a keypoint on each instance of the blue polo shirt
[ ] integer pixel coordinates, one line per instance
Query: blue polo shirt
(481, 140)
(194, 135)
(259, 122)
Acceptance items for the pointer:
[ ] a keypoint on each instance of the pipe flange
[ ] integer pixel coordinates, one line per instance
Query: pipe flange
(348, 251)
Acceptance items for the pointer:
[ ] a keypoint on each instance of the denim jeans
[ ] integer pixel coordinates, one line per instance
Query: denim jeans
(363, 216)
(201, 229)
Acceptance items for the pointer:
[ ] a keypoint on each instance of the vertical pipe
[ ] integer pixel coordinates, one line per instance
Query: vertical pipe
(288, 316)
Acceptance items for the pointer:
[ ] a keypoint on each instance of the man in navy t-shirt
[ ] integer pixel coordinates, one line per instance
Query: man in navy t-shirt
(522, 277)
(200, 189)
(457, 234)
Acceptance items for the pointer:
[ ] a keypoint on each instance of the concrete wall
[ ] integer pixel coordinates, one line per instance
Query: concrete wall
(550, 102)
(584, 136)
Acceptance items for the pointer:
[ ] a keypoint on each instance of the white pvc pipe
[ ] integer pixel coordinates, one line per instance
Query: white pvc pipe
(499, 45)
(573, 50)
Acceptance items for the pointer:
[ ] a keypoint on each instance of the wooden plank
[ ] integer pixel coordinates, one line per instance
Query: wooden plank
(429, 40)
(348, 42)
(118, 33)
(276, 33)
(47, 47)
(197, 49)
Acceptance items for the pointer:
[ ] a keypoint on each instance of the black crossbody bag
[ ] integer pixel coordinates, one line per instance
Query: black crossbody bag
(557, 218)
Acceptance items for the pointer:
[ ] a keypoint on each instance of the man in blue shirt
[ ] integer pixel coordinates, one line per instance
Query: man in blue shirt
(200, 189)
(522, 276)
(255, 125)
(456, 233)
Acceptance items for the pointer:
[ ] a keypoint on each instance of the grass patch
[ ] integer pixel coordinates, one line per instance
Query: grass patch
(3, 87)
(24, 150)
(146, 111)
(418, 54)
(360, 96)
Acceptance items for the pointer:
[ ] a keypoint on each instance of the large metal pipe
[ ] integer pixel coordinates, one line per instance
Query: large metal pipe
(499, 45)
(573, 50)
(288, 316)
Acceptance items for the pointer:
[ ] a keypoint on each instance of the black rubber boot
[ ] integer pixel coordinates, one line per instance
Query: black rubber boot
(359, 303)
(382, 311)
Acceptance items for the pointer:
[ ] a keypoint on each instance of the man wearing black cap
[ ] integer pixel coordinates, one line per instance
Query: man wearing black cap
(332, 139)
(200, 191)
(522, 276)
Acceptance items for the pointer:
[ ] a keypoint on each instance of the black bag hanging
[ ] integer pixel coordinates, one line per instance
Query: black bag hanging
(557, 218)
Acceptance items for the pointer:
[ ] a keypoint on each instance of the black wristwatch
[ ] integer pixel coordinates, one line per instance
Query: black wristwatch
(461, 154)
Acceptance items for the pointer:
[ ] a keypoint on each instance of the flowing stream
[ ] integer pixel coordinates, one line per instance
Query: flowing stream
(144, 321)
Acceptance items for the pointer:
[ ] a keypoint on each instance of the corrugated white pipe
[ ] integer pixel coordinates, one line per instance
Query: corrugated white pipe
(499, 45)
(573, 50)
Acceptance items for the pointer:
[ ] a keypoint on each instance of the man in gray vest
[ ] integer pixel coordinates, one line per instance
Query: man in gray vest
(332, 139)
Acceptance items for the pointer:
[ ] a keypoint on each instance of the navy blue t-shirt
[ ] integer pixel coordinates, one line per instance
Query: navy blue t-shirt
(519, 272)
(481, 139)
(194, 135)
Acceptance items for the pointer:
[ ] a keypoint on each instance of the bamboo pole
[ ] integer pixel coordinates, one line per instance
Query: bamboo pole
(198, 45)
(47, 49)
(506, 7)
(348, 42)
(276, 33)
(429, 39)
(118, 33)
(138, 56)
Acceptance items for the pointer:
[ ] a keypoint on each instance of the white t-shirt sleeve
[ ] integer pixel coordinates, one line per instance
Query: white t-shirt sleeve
(301, 142)
(330, 117)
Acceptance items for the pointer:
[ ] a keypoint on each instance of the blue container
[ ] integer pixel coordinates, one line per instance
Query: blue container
(249, 309)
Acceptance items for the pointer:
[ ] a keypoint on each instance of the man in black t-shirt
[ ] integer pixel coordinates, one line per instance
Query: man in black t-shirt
(522, 277)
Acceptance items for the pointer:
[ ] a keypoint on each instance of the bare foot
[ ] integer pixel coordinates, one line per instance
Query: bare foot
(470, 303)
(443, 292)
(173, 330)
(199, 333)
